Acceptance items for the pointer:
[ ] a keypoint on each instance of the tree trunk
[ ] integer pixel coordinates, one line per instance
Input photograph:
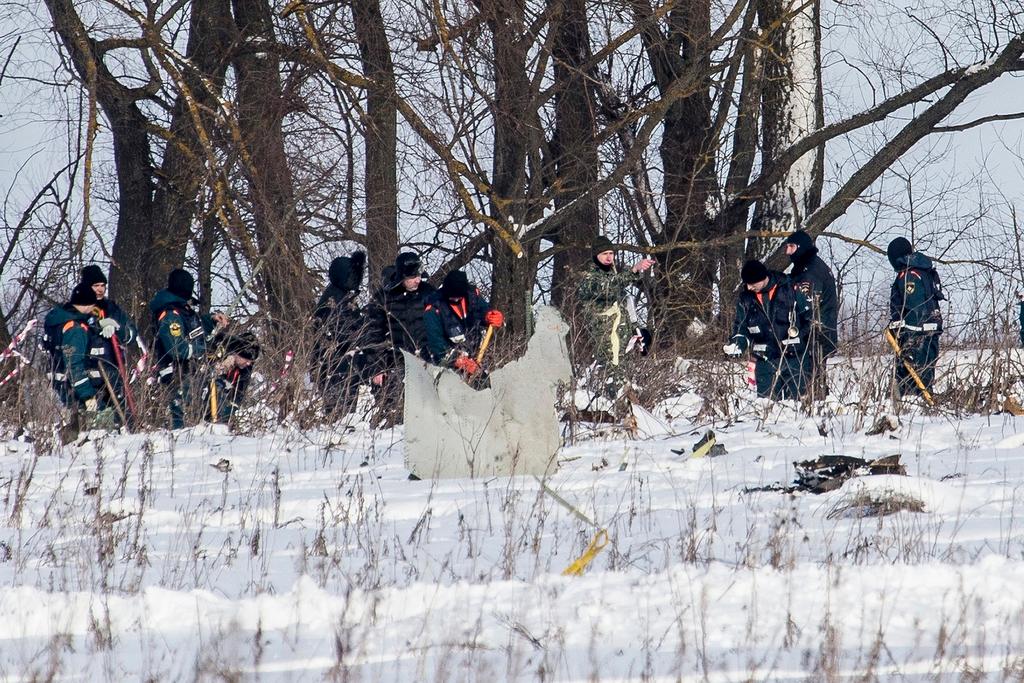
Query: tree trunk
(381, 135)
(184, 169)
(791, 107)
(512, 277)
(686, 278)
(574, 147)
(137, 236)
(261, 109)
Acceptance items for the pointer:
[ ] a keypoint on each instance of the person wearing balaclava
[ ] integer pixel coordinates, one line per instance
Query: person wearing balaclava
(338, 323)
(181, 336)
(395, 323)
(914, 314)
(812, 277)
(603, 294)
(772, 323)
(456, 322)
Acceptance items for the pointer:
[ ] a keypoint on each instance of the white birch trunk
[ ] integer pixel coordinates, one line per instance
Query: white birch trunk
(792, 108)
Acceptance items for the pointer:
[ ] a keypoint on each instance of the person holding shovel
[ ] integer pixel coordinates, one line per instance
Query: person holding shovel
(456, 323)
(915, 319)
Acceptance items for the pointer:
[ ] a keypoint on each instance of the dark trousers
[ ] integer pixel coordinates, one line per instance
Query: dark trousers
(782, 378)
(922, 352)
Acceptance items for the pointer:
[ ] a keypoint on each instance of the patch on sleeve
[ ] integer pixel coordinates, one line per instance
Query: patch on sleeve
(175, 329)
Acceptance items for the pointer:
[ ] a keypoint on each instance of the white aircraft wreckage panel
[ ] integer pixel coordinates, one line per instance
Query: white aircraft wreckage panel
(511, 428)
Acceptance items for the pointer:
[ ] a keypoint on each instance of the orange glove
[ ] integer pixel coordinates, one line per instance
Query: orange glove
(467, 365)
(494, 318)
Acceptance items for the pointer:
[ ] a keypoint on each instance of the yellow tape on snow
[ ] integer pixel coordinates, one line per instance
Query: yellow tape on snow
(583, 561)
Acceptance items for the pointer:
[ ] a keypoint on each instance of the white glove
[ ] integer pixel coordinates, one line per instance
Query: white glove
(732, 349)
(92, 404)
(109, 327)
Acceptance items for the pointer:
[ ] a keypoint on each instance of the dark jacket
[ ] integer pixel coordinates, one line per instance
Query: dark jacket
(181, 334)
(395, 322)
(915, 296)
(128, 332)
(76, 351)
(338, 318)
(764, 320)
(1020, 317)
(812, 277)
(455, 326)
(230, 390)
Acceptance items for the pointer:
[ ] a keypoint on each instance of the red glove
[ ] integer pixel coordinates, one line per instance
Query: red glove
(467, 365)
(494, 318)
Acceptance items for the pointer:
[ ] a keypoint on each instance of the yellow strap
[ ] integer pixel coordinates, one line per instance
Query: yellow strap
(615, 313)
(580, 564)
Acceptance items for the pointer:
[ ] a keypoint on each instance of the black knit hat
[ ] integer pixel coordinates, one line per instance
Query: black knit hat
(244, 345)
(753, 272)
(181, 283)
(407, 264)
(93, 274)
(601, 245)
(455, 285)
(897, 251)
(82, 295)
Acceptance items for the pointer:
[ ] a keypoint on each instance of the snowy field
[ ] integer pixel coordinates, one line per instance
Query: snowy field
(295, 556)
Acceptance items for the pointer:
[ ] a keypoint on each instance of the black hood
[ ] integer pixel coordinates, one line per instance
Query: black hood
(898, 251)
(805, 249)
(455, 285)
(346, 272)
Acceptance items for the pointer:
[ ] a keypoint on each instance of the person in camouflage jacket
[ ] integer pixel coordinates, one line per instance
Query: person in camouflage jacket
(602, 293)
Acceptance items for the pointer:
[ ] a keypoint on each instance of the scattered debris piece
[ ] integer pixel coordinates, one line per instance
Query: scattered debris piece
(885, 423)
(707, 446)
(599, 465)
(828, 472)
(222, 465)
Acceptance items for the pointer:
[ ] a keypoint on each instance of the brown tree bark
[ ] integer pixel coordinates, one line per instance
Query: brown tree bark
(685, 278)
(135, 238)
(261, 109)
(184, 170)
(574, 147)
(513, 277)
(380, 134)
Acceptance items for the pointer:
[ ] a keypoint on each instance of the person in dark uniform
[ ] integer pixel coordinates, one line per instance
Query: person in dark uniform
(914, 314)
(81, 366)
(773, 323)
(181, 336)
(395, 323)
(814, 278)
(232, 370)
(456, 322)
(338, 321)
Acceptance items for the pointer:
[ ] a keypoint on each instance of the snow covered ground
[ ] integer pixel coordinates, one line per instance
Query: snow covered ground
(288, 556)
